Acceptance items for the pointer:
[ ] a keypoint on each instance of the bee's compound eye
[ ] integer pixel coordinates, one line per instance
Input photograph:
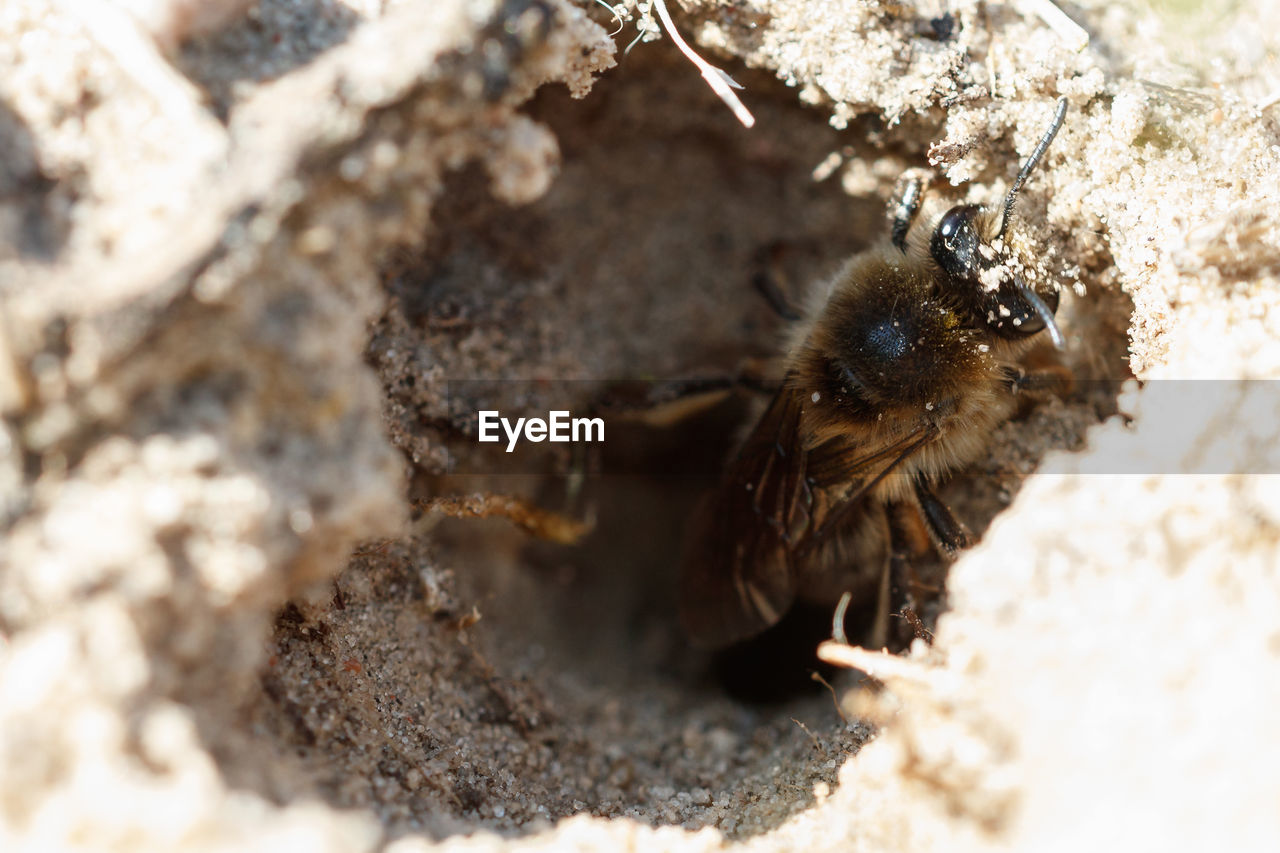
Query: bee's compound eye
(954, 245)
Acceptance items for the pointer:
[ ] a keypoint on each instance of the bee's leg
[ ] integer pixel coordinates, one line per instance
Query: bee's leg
(878, 636)
(905, 208)
(946, 529)
(754, 375)
(534, 520)
(908, 541)
(770, 281)
(667, 403)
(1053, 379)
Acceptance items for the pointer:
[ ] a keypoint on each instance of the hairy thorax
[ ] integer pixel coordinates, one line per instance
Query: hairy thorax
(886, 356)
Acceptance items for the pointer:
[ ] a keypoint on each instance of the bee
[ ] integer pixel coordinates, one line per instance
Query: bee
(894, 377)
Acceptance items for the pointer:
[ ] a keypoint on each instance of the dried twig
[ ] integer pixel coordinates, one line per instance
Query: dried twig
(881, 666)
(837, 619)
(835, 700)
(617, 16)
(719, 81)
(1074, 35)
(817, 744)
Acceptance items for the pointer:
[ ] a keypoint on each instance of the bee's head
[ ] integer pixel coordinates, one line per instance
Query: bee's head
(966, 245)
(979, 277)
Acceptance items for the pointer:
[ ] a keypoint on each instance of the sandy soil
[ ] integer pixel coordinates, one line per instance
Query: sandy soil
(249, 255)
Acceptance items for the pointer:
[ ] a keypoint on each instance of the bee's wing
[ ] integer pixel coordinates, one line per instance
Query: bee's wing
(859, 467)
(736, 578)
(769, 512)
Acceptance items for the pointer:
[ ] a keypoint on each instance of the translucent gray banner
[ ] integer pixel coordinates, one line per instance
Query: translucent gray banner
(687, 428)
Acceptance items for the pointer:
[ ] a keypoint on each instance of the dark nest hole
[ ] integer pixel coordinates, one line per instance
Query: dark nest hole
(472, 677)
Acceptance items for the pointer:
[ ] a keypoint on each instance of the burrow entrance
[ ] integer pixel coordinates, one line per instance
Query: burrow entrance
(469, 677)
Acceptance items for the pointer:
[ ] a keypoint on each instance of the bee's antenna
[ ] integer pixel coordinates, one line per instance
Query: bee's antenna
(1031, 164)
(1042, 311)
